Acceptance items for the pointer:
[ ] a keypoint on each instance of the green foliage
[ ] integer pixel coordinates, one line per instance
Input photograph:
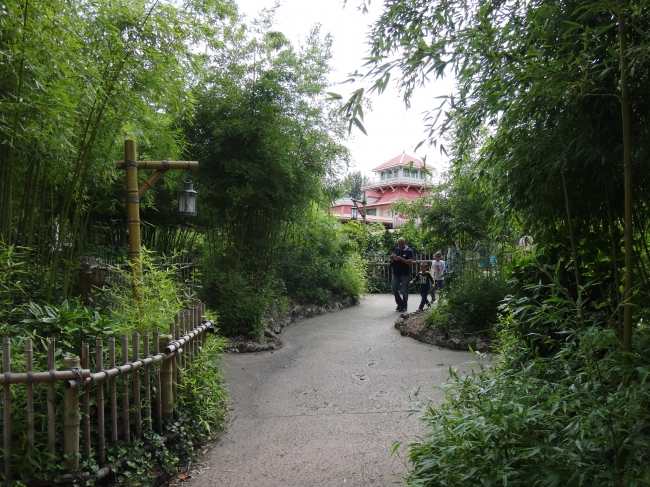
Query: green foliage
(76, 78)
(162, 297)
(11, 271)
(203, 397)
(267, 141)
(469, 304)
(241, 298)
(530, 420)
(322, 263)
(70, 324)
(457, 212)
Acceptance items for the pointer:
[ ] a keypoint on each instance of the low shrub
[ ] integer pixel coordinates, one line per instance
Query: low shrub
(561, 420)
(469, 303)
(324, 264)
(378, 284)
(240, 299)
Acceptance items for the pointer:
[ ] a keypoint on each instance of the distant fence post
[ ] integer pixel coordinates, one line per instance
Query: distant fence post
(6, 407)
(166, 380)
(71, 418)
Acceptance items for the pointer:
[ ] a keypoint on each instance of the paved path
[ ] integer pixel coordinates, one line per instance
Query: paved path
(326, 408)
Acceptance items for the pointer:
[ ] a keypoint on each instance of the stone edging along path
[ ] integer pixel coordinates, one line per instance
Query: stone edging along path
(275, 325)
(412, 325)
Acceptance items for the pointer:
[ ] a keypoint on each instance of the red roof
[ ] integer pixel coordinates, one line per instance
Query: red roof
(390, 196)
(402, 160)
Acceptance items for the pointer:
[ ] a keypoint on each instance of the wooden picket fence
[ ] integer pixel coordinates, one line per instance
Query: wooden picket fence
(146, 395)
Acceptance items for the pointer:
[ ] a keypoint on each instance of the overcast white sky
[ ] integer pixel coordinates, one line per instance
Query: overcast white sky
(391, 128)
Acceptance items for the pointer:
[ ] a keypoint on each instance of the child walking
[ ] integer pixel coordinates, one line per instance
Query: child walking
(424, 279)
(438, 268)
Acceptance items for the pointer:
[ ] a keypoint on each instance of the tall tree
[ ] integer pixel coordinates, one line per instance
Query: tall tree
(75, 79)
(543, 78)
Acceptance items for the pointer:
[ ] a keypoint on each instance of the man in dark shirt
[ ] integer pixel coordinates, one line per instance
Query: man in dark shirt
(401, 261)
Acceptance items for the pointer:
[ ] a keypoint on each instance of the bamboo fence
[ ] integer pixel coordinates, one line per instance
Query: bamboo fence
(146, 394)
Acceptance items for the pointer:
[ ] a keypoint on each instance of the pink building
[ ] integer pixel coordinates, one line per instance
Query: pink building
(393, 180)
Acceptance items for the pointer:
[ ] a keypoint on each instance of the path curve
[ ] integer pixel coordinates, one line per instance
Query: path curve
(326, 409)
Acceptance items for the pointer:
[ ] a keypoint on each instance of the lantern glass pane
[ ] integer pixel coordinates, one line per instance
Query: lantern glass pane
(187, 200)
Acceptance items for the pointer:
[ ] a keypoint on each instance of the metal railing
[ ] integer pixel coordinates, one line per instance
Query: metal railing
(147, 395)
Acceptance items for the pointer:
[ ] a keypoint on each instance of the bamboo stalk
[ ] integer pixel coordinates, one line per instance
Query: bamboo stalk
(112, 390)
(29, 365)
(172, 329)
(101, 438)
(137, 413)
(126, 434)
(6, 407)
(190, 347)
(156, 350)
(147, 380)
(204, 319)
(183, 326)
(166, 382)
(51, 438)
(177, 334)
(197, 322)
(85, 404)
(133, 217)
(71, 420)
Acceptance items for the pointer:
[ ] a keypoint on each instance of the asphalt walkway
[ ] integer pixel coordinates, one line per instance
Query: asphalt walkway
(326, 409)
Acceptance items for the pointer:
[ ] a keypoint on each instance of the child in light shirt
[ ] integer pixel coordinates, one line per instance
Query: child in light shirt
(438, 271)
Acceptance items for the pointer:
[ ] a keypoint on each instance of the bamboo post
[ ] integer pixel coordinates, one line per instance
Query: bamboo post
(71, 419)
(147, 381)
(112, 389)
(6, 407)
(51, 432)
(204, 319)
(194, 312)
(156, 351)
(173, 330)
(137, 413)
(190, 343)
(133, 216)
(101, 439)
(183, 356)
(85, 402)
(126, 434)
(29, 366)
(166, 378)
(178, 376)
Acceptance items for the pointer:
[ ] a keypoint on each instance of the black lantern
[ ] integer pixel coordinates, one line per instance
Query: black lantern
(354, 212)
(187, 199)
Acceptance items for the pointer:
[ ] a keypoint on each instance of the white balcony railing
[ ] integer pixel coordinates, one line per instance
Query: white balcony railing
(374, 182)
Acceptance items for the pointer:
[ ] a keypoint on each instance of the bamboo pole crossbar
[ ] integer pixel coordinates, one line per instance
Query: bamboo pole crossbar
(163, 165)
